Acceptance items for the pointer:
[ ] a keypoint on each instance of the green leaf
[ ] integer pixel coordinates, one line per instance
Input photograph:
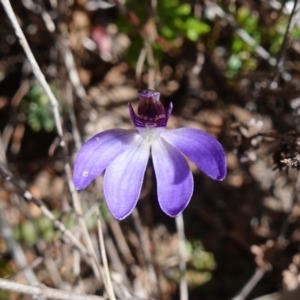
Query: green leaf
(197, 25)
(295, 34)
(234, 62)
(183, 10)
(178, 22)
(242, 14)
(28, 233)
(168, 32)
(237, 44)
(167, 3)
(192, 35)
(46, 228)
(103, 209)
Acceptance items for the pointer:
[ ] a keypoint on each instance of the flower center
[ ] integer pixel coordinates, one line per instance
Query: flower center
(152, 114)
(150, 108)
(150, 134)
(151, 118)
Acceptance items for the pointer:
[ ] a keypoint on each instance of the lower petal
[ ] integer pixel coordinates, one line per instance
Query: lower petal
(201, 148)
(124, 178)
(174, 178)
(98, 152)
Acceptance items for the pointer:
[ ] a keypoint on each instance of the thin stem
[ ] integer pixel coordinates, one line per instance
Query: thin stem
(249, 286)
(140, 64)
(281, 55)
(70, 63)
(151, 63)
(43, 291)
(104, 260)
(16, 100)
(184, 294)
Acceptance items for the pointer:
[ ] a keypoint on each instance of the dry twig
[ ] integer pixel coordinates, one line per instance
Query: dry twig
(43, 291)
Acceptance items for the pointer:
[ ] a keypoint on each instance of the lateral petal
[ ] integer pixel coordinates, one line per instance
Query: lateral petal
(124, 177)
(174, 179)
(203, 149)
(98, 152)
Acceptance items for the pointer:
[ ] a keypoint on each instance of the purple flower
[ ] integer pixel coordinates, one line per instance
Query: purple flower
(125, 154)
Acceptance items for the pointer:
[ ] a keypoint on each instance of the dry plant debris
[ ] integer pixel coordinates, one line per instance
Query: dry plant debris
(231, 68)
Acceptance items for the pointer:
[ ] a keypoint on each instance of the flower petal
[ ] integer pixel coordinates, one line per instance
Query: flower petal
(174, 178)
(203, 149)
(98, 152)
(124, 177)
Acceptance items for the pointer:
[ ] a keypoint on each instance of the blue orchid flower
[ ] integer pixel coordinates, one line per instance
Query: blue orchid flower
(124, 154)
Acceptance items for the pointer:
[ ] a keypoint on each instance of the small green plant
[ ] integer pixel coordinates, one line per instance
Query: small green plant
(242, 56)
(200, 265)
(37, 108)
(176, 19)
(173, 19)
(201, 260)
(30, 231)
